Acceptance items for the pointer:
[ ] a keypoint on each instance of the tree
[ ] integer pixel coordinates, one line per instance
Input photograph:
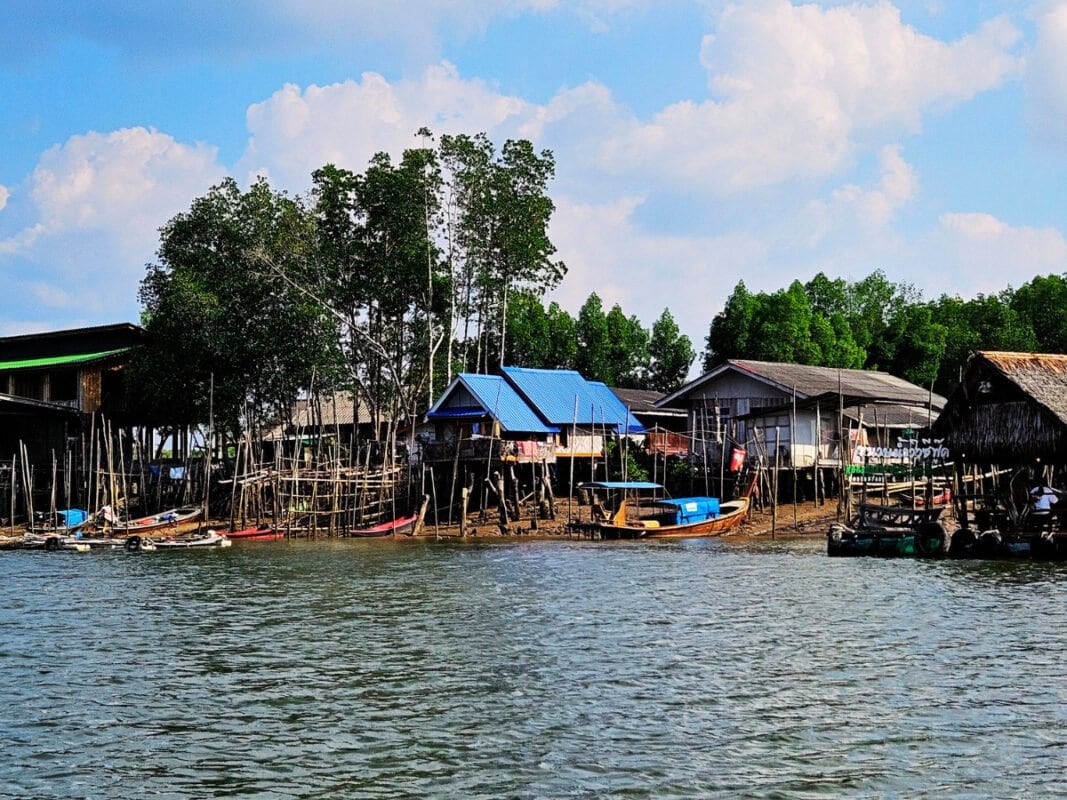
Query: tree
(671, 354)
(731, 328)
(215, 315)
(498, 216)
(563, 339)
(594, 349)
(627, 350)
(1043, 302)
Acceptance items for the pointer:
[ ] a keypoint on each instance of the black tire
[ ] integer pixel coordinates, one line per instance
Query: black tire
(51, 543)
(930, 539)
(133, 543)
(963, 543)
(990, 544)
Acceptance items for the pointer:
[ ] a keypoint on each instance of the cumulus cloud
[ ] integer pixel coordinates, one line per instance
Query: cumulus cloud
(984, 253)
(609, 252)
(296, 131)
(4, 194)
(897, 185)
(97, 202)
(1046, 83)
(798, 88)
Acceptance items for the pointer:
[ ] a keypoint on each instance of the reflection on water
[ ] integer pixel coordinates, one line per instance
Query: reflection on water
(704, 668)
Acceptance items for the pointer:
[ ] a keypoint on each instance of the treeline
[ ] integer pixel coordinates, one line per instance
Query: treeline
(608, 347)
(384, 283)
(877, 324)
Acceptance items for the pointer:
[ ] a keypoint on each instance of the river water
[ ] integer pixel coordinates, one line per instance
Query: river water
(553, 669)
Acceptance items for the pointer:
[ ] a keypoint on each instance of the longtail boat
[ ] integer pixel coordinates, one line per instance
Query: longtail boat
(665, 518)
(164, 519)
(399, 525)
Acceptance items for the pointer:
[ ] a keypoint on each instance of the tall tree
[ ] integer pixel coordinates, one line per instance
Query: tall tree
(594, 347)
(628, 355)
(215, 314)
(731, 328)
(671, 353)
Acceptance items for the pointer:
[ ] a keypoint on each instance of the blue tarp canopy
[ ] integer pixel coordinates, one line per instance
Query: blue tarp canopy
(635, 485)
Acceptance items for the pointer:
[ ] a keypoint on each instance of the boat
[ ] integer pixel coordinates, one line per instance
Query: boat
(209, 538)
(63, 522)
(403, 525)
(259, 533)
(164, 519)
(664, 518)
(53, 541)
(890, 532)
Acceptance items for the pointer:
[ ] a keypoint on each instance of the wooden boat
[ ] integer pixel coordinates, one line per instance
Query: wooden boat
(62, 523)
(209, 538)
(666, 518)
(403, 525)
(260, 533)
(53, 542)
(164, 519)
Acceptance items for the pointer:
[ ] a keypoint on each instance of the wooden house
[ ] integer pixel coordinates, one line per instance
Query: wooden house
(535, 414)
(798, 416)
(665, 428)
(1009, 409)
(80, 368)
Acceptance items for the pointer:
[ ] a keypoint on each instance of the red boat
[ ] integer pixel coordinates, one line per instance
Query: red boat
(400, 525)
(263, 533)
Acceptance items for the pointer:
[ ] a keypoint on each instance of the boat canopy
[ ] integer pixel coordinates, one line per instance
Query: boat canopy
(624, 485)
(692, 509)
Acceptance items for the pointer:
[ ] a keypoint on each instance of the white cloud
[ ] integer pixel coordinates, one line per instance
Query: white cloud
(127, 182)
(1046, 74)
(96, 204)
(608, 252)
(801, 87)
(897, 185)
(985, 254)
(296, 131)
(4, 195)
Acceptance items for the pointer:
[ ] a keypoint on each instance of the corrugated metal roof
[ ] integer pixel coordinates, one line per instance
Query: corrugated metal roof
(60, 361)
(553, 391)
(495, 397)
(564, 397)
(613, 412)
(330, 410)
(810, 381)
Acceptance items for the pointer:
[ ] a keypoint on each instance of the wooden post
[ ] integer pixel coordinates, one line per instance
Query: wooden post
(465, 494)
(777, 464)
(501, 501)
(422, 515)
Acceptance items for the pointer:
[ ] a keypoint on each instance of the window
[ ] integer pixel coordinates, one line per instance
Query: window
(29, 384)
(63, 386)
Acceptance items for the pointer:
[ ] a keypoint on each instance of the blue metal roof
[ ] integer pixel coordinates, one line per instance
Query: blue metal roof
(494, 397)
(564, 397)
(614, 411)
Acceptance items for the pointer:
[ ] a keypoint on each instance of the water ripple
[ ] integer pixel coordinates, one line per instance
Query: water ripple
(544, 669)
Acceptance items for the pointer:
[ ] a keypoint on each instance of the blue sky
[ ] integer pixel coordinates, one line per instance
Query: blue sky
(697, 143)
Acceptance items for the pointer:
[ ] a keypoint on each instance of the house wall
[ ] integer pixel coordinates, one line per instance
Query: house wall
(735, 395)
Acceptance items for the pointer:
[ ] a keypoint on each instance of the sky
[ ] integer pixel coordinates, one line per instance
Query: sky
(697, 143)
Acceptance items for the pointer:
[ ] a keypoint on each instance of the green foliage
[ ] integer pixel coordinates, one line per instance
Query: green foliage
(212, 310)
(594, 348)
(671, 353)
(876, 324)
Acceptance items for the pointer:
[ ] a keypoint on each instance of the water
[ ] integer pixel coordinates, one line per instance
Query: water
(387, 669)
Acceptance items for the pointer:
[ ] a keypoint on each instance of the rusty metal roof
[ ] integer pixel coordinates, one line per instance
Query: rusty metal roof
(809, 382)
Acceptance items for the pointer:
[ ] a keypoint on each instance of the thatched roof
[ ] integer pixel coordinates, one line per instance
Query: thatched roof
(1009, 408)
